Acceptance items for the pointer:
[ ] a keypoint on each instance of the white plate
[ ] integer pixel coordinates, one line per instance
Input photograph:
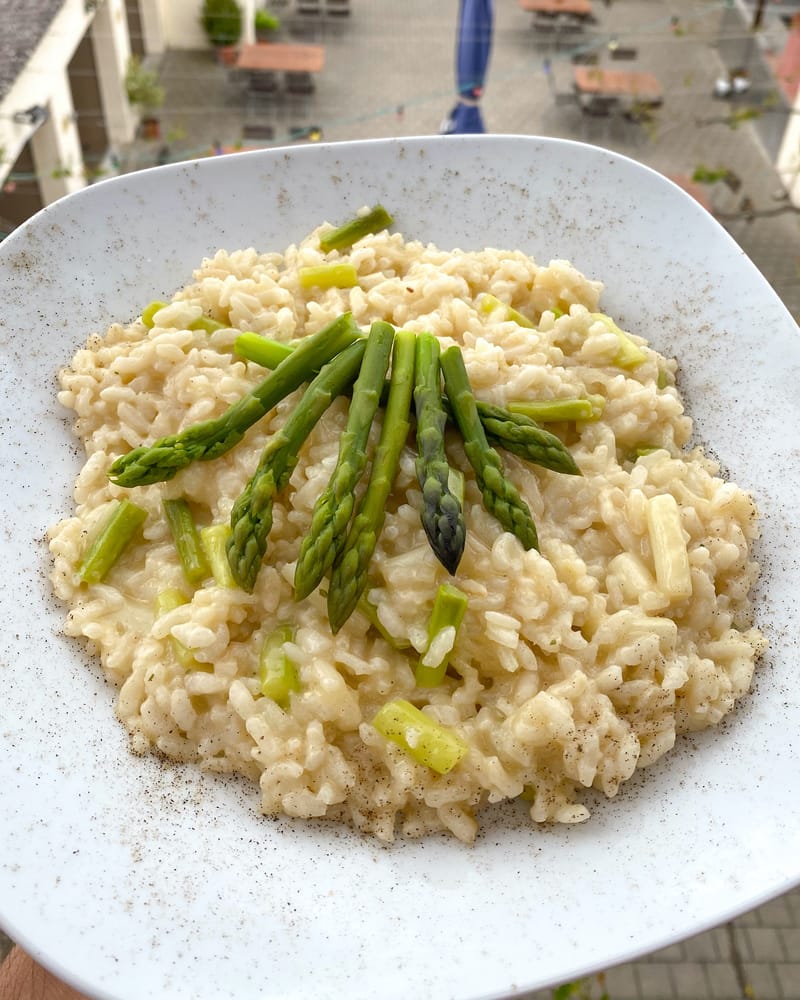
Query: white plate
(132, 878)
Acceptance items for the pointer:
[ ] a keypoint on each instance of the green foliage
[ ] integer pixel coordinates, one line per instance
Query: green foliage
(264, 21)
(142, 86)
(222, 22)
(709, 175)
(581, 989)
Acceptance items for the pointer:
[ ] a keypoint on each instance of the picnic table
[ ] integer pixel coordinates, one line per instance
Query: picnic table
(618, 83)
(578, 8)
(279, 57)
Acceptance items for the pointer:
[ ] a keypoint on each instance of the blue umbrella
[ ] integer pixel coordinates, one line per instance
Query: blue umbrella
(473, 45)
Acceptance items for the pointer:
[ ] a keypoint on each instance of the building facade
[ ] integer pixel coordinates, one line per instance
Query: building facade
(64, 108)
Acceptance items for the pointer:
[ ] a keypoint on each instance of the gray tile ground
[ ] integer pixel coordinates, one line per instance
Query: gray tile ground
(389, 72)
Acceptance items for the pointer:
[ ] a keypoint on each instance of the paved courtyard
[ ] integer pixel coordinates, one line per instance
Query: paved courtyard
(389, 72)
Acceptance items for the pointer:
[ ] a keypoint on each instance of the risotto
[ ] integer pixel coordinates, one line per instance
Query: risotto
(568, 666)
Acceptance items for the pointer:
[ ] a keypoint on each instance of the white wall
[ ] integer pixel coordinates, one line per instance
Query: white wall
(42, 82)
(181, 23)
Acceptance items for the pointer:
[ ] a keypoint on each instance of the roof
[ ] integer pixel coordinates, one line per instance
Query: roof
(25, 22)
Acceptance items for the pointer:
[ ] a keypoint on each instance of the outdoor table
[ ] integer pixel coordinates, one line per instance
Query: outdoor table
(578, 8)
(279, 57)
(597, 82)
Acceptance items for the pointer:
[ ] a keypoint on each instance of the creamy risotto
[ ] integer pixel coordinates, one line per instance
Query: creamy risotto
(571, 666)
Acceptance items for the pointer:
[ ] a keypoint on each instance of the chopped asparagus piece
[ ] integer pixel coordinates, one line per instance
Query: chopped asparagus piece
(629, 353)
(351, 232)
(115, 534)
(203, 323)
(168, 600)
(277, 673)
(349, 574)
(449, 607)
(545, 411)
(265, 352)
(488, 303)
(187, 541)
(214, 540)
(427, 741)
(370, 612)
(149, 312)
(670, 555)
(328, 276)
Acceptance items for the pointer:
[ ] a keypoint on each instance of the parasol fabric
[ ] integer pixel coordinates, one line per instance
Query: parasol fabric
(473, 46)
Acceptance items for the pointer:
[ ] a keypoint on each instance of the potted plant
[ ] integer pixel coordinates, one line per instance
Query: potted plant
(144, 92)
(222, 22)
(266, 25)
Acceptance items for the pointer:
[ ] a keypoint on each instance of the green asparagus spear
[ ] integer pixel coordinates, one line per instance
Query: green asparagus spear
(212, 438)
(351, 232)
(517, 433)
(251, 517)
(442, 515)
(349, 575)
(115, 534)
(334, 506)
(187, 540)
(500, 496)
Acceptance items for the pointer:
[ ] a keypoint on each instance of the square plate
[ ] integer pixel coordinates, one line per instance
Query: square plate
(133, 878)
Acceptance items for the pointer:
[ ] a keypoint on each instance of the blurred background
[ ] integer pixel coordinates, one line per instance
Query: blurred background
(704, 91)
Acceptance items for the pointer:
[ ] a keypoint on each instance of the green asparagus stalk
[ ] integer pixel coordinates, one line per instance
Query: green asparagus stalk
(187, 541)
(334, 506)
(422, 737)
(522, 436)
(513, 431)
(251, 517)
(442, 514)
(449, 607)
(277, 674)
(500, 496)
(212, 438)
(115, 534)
(351, 232)
(328, 276)
(349, 575)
